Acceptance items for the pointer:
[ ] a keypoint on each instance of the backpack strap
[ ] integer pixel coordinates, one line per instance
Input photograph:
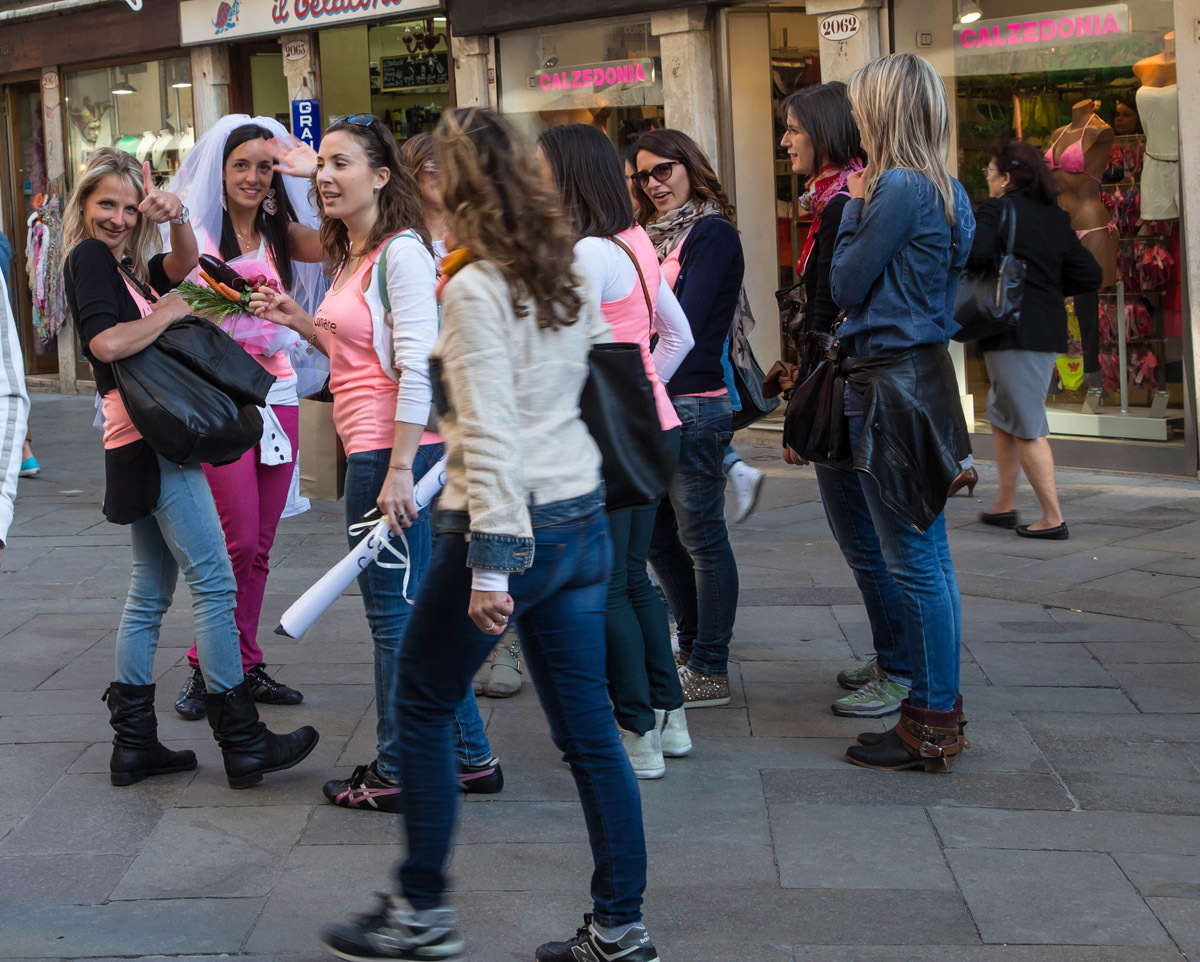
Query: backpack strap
(383, 291)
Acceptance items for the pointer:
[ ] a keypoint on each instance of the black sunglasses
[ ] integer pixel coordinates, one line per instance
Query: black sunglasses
(659, 172)
(369, 121)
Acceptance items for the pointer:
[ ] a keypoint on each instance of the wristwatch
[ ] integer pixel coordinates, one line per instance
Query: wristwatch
(184, 216)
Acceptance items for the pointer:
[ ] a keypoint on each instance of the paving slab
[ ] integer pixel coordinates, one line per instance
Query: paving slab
(1079, 831)
(1162, 876)
(960, 788)
(1055, 898)
(30, 771)
(984, 953)
(60, 879)
(1135, 793)
(1181, 918)
(1146, 652)
(214, 852)
(1154, 690)
(821, 846)
(1038, 665)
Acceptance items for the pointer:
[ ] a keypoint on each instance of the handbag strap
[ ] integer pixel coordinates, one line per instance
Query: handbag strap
(1008, 216)
(641, 277)
(142, 286)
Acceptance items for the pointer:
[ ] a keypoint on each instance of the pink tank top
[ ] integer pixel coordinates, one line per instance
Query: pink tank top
(631, 321)
(118, 428)
(670, 270)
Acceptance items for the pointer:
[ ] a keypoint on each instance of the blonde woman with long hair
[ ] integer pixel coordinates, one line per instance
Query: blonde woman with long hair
(522, 496)
(904, 238)
(112, 272)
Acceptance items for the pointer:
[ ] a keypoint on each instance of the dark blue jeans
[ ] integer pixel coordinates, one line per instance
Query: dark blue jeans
(922, 581)
(690, 549)
(559, 613)
(388, 613)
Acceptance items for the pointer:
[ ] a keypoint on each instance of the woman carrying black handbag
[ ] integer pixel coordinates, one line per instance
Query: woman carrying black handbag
(1020, 362)
(111, 219)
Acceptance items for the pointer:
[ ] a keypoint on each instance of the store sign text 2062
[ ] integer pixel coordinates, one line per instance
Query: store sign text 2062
(843, 26)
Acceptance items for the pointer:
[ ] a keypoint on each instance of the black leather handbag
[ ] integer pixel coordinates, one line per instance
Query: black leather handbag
(749, 385)
(989, 300)
(617, 405)
(193, 393)
(813, 425)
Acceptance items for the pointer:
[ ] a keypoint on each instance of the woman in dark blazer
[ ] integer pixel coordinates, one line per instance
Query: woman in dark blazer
(1020, 362)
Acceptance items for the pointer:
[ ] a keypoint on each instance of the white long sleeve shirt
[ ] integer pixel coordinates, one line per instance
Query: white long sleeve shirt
(14, 411)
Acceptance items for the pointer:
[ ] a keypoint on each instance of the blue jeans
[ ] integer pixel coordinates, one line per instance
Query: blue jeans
(183, 533)
(690, 550)
(559, 613)
(388, 612)
(922, 581)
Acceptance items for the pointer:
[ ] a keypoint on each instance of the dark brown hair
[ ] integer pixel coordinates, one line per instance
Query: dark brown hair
(273, 227)
(676, 145)
(399, 199)
(587, 171)
(417, 151)
(1025, 165)
(823, 110)
(503, 211)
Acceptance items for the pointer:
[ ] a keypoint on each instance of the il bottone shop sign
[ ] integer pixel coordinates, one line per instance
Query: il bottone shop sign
(1087, 25)
(206, 21)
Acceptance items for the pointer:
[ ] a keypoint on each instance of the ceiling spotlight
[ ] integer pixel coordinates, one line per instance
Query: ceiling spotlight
(968, 11)
(124, 87)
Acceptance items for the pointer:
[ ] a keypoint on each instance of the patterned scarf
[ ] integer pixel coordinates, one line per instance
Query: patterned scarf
(669, 230)
(822, 188)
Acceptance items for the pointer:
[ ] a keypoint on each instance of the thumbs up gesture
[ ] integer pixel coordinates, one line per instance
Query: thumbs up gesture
(159, 206)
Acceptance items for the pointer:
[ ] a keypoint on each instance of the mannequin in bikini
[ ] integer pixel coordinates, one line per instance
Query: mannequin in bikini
(1078, 156)
(1158, 104)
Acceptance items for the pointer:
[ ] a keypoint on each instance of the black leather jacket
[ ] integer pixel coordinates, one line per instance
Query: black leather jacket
(914, 437)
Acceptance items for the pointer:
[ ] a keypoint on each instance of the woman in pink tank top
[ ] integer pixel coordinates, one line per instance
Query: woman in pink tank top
(244, 209)
(378, 350)
(616, 255)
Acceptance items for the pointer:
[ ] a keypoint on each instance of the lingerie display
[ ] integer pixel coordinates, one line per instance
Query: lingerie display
(1159, 110)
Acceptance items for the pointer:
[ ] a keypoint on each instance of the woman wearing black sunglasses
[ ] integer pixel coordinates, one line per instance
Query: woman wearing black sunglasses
(689, 218)
(377, 324)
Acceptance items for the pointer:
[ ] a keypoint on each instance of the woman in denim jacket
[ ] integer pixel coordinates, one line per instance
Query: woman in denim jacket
(903, 241)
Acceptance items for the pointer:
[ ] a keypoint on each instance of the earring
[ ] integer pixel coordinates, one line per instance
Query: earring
(269, 205)
(223, 207)
(379, 186)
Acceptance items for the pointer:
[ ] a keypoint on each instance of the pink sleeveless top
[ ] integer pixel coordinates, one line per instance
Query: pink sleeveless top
(671, 269)
(118, 428)
(632, 323)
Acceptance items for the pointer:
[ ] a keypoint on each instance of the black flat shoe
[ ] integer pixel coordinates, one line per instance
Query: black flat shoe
(1000, 519)
(269, 691)
(1057, 533)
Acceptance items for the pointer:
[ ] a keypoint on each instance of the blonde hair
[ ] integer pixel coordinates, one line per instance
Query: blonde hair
(505, 211)
(903, 114)
(145, 240)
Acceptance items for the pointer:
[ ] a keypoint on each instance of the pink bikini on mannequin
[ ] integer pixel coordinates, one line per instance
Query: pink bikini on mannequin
(1072, 162)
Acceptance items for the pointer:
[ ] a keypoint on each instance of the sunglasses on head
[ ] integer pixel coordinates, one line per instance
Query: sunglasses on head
(368, 121)
(659, 172)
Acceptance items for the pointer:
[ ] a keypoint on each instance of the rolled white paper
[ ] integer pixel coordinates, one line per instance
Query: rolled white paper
(306, 609)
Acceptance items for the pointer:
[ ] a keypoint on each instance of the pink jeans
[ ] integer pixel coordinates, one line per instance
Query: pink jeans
(250, 497)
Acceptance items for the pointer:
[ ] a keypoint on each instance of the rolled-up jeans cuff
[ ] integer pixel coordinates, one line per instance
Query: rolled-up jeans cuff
(499, 552)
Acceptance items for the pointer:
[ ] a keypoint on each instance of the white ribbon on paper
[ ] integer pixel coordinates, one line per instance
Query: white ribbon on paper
(306, 609)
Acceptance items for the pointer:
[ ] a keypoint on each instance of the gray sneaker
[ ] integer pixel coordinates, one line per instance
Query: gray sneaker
(878, 697)
(852, 679)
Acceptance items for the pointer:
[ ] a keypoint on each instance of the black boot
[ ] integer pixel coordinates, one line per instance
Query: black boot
(137, 751)
(190, 703)
(268, 691)
(923, 738)
(874, 738)
(250, 750)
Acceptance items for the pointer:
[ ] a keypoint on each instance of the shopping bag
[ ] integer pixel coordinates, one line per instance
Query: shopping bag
(323, 467)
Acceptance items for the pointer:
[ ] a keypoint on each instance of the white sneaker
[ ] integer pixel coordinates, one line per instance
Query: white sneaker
(747, 486)
(500, 676)
(644, 754)
(672, 732)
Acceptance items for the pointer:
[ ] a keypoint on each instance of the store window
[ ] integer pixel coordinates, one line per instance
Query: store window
(144, 109)
(608, 75)
(1094, 89)
(400, 72)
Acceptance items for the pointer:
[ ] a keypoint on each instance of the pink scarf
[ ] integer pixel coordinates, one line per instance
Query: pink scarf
(823, 186)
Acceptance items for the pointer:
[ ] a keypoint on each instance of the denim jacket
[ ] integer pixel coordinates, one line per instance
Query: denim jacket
(896, 265)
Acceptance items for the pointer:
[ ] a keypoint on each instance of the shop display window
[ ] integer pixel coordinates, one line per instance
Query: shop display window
(605, 74)
(1094, 89)
(144, 109)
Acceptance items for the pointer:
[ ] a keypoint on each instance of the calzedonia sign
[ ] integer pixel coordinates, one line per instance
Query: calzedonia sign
(203, 21)
(595, 76)
(1057, 28)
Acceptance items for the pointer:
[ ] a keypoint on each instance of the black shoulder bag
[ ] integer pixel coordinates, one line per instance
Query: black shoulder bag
(193, 393)
(989, 300)
(618, 407)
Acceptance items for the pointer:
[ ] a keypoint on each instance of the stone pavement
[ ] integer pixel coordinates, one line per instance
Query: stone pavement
(1069, 832)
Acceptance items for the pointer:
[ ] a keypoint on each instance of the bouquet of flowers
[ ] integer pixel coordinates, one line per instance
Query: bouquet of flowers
(221, 293)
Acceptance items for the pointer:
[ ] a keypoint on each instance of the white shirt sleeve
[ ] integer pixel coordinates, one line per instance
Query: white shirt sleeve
(674, 333)
(485, 579)
(412, 289)
(14, 411)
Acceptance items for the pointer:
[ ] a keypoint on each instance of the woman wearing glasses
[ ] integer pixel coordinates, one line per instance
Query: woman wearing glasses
(689, 218)
(244, 209)
(377, 243)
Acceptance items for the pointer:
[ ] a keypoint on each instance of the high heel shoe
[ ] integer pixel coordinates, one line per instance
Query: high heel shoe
(966, 479)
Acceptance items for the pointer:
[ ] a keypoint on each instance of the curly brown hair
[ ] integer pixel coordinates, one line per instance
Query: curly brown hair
(399, 199)
(506, 212)
(676, 145)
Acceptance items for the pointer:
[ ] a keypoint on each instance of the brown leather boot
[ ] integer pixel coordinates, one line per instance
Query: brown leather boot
(921, 739)
(874, 738)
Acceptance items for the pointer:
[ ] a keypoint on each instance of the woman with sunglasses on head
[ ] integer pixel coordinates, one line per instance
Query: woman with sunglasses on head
(690, 221)
(376, 242)
(904, 238)
(637, 301)
(242, 208)
(523, 538)
(111, 274)
(500, 675)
